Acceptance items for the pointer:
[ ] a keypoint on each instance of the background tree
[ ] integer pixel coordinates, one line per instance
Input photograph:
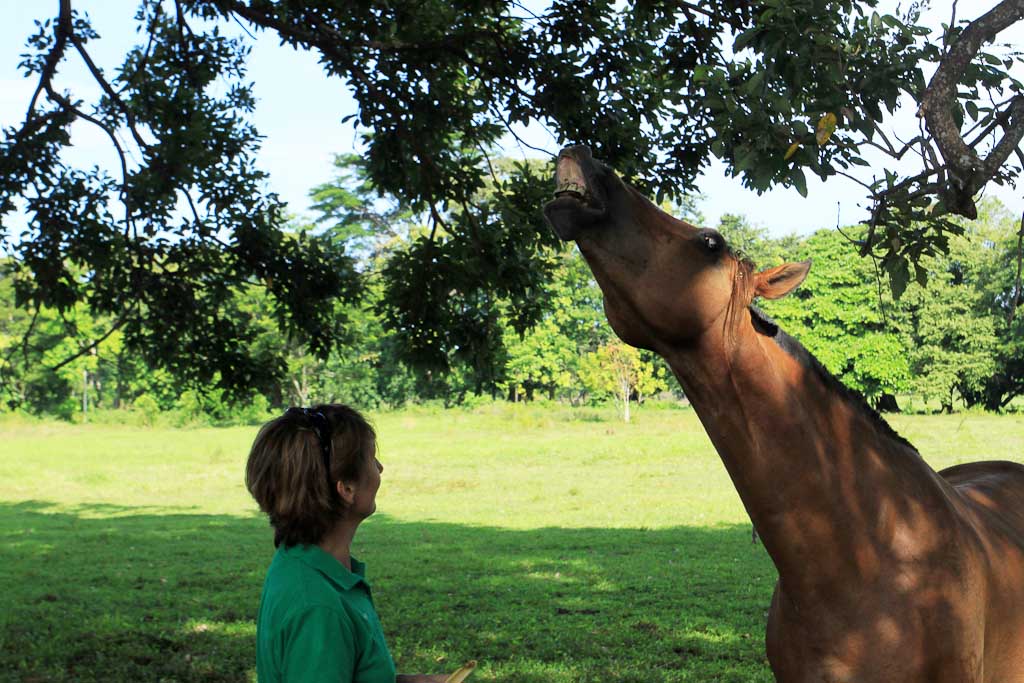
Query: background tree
(836, 315)
(654, 87)
(547, 357)
(955, 338)
(618, 370)
(167, 279)
(541, 360)
(359, 217)
(998, 239)
(951, 327)
(951, 353)
(754, 243)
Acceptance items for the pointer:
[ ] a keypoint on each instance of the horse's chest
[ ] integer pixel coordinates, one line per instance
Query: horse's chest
(879, 640)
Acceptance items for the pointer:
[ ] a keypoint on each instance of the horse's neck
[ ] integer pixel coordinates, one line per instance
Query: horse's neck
(824, 484)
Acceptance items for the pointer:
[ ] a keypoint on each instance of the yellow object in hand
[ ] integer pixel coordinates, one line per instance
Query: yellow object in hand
(462, 674)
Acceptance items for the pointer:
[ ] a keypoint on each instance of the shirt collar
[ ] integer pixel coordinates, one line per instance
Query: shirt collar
(328, 565)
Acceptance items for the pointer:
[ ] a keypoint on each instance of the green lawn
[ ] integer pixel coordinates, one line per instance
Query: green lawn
(552, 545)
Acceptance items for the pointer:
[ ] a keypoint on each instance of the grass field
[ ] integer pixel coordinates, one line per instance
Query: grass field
(552, 545)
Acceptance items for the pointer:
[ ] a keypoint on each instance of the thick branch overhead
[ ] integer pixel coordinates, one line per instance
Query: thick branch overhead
(967, 170)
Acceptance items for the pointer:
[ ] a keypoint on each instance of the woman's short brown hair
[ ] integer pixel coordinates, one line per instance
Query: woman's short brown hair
(285, 471)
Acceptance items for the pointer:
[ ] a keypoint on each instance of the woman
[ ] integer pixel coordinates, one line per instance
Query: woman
(315, 473)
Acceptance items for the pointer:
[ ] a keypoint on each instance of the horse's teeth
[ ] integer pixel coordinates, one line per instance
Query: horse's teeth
(571, 188)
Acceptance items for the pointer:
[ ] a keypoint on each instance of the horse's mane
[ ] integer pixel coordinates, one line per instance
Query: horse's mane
(769, 328)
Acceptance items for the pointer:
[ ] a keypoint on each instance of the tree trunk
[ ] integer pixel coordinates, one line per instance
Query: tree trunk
(887, 404)
(625, 403)
(301, 387)
(118, 381)
(97, 390)
(85, 395)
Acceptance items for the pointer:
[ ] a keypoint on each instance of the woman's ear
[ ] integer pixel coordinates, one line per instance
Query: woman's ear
(777, 282)
(346, 491)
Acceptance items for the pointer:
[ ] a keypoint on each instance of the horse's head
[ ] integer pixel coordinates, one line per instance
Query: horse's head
(665, 282)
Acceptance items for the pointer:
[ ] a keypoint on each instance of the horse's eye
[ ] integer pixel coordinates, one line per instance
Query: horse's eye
(712, 240)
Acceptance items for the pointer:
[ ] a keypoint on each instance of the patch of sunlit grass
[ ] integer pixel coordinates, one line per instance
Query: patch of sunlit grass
(553, 545)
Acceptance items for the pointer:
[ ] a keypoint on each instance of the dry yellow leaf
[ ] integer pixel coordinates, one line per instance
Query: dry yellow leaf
(826, 126)
(791, 151)
(463, 673)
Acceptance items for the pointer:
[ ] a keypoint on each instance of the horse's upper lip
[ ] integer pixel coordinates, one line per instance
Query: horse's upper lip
(579, 201)
(572, 173)
(569, 178)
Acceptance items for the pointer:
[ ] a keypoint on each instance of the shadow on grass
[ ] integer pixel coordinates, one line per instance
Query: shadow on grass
(105, 593)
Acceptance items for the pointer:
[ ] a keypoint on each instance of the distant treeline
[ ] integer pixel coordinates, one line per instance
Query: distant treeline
(957, 342)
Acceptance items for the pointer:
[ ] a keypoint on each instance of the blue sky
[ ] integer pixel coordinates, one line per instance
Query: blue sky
(300, 110)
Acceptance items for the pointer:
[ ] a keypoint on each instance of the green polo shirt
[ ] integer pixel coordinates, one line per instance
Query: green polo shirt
(317, 622)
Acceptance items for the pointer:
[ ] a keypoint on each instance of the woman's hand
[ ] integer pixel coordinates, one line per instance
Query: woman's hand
(458, 677)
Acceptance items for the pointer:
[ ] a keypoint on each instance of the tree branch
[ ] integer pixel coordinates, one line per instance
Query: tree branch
(436, 216)
(86, 349)
(337, 48)
(64, 32)
(111, 93)
(61, 31)
(68, 105)
(1012, 121)
(854, 179)
(144, 59)
(967, 170)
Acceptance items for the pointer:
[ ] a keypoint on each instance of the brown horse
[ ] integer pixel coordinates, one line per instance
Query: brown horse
(888, 571)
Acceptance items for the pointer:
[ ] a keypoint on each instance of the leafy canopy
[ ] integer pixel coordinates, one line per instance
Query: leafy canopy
(165, 244)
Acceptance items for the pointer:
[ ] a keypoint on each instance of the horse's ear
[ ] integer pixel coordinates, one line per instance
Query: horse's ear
(779, 281)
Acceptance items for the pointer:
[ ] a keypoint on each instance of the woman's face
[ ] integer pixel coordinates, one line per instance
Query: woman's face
(365, 502)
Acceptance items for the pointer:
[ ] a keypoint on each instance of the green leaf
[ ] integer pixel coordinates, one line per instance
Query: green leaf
(921, 275)
(799, 181)
(754, 83)
(744, 38)
(899, 275)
